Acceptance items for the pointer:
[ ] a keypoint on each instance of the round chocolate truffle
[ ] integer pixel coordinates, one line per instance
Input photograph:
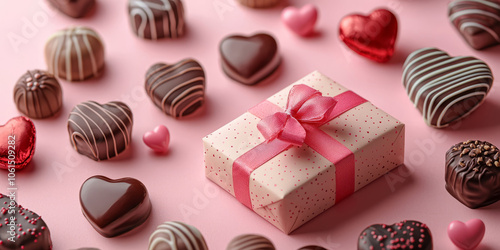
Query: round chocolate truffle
(174, 235)
(473, 173)
(250, 242)
(37, 94)
(75, 54)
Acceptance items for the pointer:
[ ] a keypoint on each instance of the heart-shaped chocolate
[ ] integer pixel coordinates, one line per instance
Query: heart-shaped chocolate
(17, 143)
(407, 234)
(477, 21)
(157, 139)
(100, 131)
(372, 36)
(177, 89)
(249, 60)
(443, 88)
(175, 235)
(21, 228)
(114, 207)
(466, 235)
(300, 21)
(73, 8)
(154, 19)
(473, 173)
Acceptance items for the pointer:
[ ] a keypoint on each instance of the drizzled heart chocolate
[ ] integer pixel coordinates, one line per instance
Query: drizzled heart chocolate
(473, 173)
(155, 19)
(114, 207)
(17, 143)
(177, 89)
(477, 21)
(100, 131)
(249, 60)
(407, 234)
(21, 228)
(444, 88)
(372, 36)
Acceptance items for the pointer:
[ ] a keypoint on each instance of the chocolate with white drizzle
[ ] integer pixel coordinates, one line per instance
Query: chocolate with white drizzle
(473, 173)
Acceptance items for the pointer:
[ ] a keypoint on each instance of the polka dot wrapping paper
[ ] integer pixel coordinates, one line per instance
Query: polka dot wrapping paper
(299, 183)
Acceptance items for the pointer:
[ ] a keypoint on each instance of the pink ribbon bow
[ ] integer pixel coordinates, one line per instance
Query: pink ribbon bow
(305, 106)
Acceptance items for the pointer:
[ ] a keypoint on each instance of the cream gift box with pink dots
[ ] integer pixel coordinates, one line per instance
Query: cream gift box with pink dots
(287, 183)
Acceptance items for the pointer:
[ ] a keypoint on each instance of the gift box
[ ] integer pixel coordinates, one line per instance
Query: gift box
(303, 150)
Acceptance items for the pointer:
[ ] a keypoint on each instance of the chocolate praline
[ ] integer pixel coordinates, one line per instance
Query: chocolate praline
(155, 19)
(29, 230)
(407, 234)
(73, 8)
(312, 247)
(75, 54)
(472, 173)
(250, 242)
(37, 94)
(114, 207)
(175, 235)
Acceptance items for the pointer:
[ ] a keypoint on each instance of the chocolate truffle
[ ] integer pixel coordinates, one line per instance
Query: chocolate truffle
(37, 94)
(73, 8)
(443, 88)
(407, 234)
(473, 173)
(100, 131)
(259, 3)
(250, 242)
(311, 247)
(477, 21)
(114, 207)
(75, 54)
(26, 227)
(155, 19)
(177, 89)
(176, 236)
(249, 60)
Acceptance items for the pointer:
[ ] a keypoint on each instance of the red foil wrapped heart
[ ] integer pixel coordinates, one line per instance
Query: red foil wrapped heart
(371, 36)
(17, 143)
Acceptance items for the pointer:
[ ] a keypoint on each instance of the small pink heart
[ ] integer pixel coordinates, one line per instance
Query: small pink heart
(300, 21)
(466, 235)
(157, 139)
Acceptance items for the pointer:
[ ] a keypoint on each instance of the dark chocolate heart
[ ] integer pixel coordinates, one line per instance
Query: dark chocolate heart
(477, 21)
(154, 19)
(407, 234)
(21, 228)
(177, 89)
(443, 88)
(73, 8)
(473, 173)
(100, 131)
(114, 207)
(249, 60)
(17, 143)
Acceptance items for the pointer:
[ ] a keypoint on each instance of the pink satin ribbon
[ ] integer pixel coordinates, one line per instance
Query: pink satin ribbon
(306, 111)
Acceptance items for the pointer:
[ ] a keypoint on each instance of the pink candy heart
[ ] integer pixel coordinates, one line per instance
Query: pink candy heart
(466, 235)
(301, 21)
(157, 139)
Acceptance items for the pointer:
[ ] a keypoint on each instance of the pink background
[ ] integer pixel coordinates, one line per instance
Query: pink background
(176, 182)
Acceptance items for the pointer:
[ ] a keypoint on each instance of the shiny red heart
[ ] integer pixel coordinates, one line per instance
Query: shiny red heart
(371, 36)
(17, 143)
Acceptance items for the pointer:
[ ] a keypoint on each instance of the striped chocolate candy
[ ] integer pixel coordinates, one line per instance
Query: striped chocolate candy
(445, 89)
(75, 54)
(176, 236)
(100, 131)
(250, 242)
(478, 21)
(154, 19)
(259, 3)
(177, 89)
